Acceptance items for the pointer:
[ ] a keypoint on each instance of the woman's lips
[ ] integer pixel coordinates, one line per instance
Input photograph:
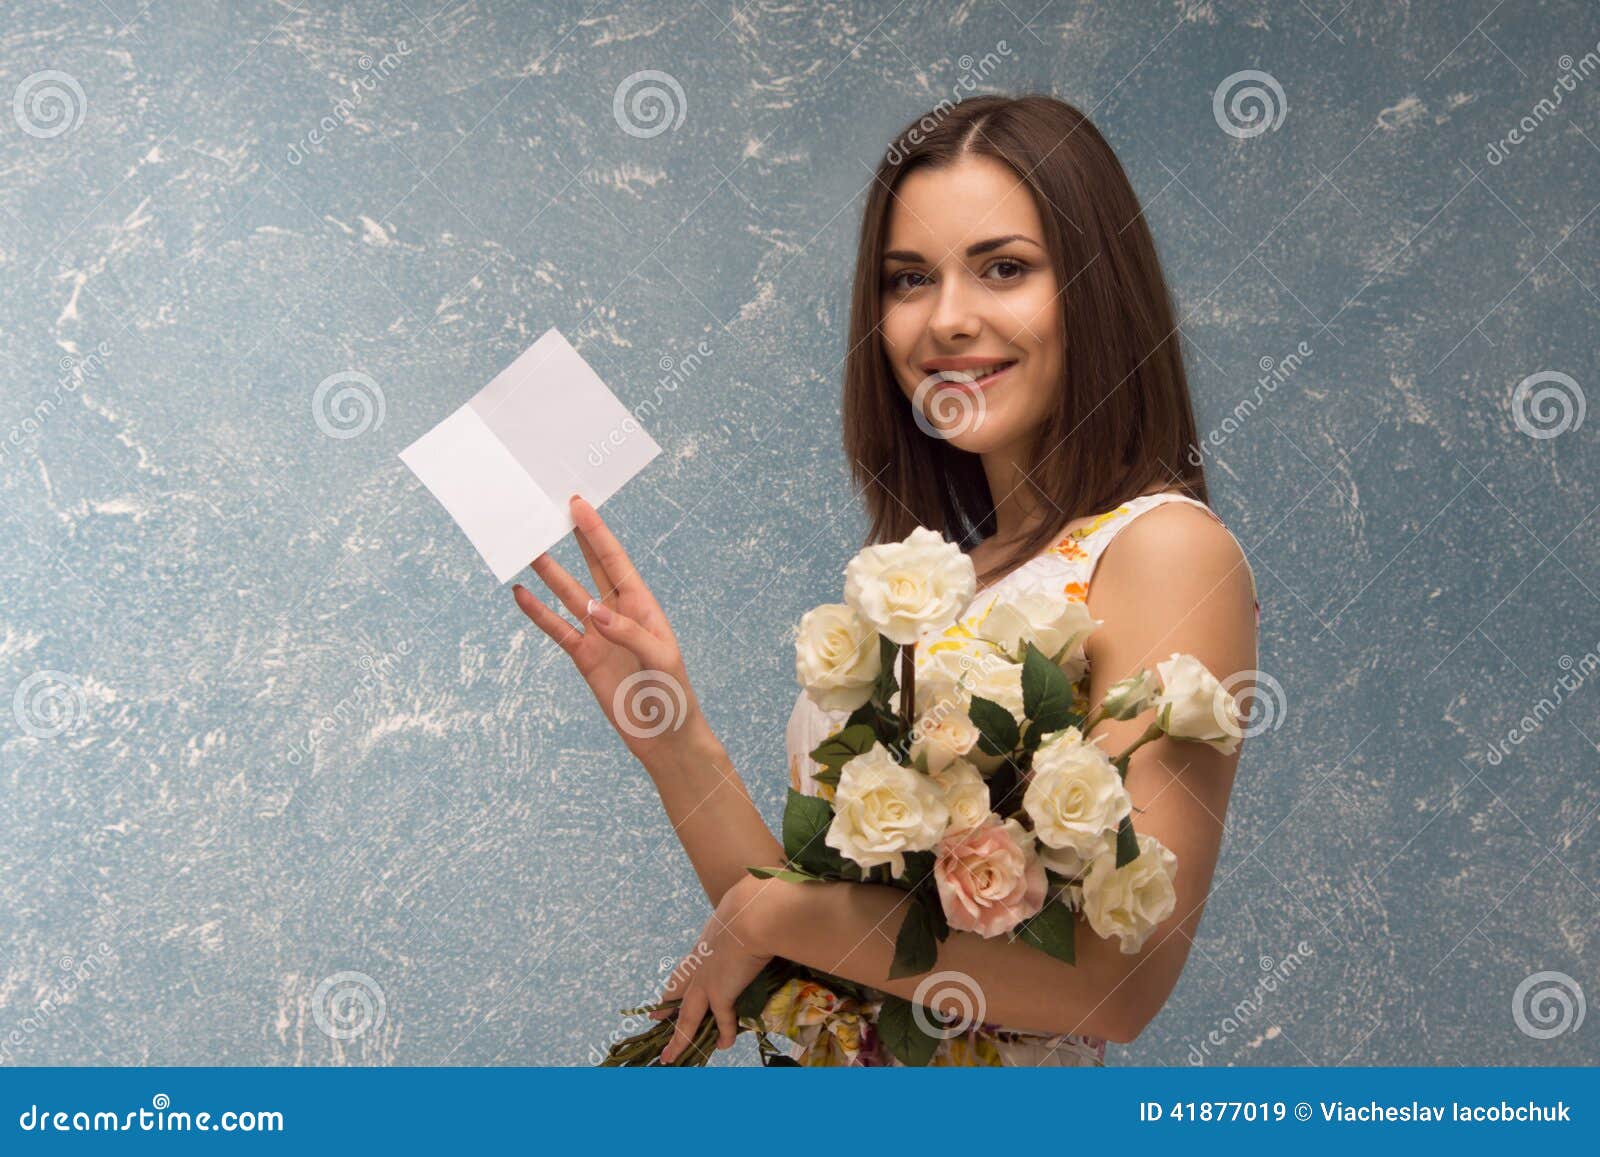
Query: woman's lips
(979, 384)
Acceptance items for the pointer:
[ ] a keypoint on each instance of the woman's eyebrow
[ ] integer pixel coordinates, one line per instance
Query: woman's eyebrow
(976, 250)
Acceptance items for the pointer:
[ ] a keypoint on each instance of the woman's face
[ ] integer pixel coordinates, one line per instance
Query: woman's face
(966, 285)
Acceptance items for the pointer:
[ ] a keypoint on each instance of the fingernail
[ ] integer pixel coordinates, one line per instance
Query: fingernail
(600, 613)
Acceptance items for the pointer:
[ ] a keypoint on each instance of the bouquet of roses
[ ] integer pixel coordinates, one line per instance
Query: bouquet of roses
(962, 775)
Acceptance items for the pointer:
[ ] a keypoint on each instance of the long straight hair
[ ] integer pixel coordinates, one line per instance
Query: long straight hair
(1123, 422)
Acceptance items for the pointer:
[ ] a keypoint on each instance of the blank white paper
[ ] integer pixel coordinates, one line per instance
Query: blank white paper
(503, 464)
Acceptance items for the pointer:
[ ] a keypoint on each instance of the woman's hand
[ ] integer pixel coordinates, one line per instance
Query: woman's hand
(630, 657)
(722, 964)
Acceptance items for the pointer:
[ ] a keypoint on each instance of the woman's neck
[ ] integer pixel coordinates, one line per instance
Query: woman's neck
(1016, 509)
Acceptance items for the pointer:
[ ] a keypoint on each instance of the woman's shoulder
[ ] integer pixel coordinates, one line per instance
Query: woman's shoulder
(1177, 543)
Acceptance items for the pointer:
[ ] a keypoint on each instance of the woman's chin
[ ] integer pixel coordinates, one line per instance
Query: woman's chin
(980, 438)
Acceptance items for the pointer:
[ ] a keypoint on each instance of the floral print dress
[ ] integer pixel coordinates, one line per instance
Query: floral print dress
(832, 1030)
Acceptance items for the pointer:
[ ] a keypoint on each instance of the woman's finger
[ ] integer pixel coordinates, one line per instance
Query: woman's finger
(604, 587)
(566, 588)
(618, 567)
(625, 632)
(566, 636)
(690, 1013)
(727, 1024)
(676, 983)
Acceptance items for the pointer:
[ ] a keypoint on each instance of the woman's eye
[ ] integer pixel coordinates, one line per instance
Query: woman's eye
(896, 285)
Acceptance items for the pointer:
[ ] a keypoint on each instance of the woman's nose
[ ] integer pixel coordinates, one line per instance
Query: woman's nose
(954, 310)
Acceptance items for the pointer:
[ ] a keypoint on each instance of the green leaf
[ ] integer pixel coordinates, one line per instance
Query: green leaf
(1127, 842)
(886, 682)
(790, 874)
(844, 745)
(916, 947)
(997, 728)
(919, 867)
(805, 826)
(805, 818)
(1004, 782)
(863, 716)
(902, 1035)
(1051, 930)
(935, 906)
(1046, 694)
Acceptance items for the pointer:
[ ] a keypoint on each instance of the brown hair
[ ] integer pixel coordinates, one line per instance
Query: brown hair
(1124, 424)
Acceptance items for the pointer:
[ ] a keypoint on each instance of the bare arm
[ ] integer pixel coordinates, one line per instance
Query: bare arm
(626, 652)
(711, 812)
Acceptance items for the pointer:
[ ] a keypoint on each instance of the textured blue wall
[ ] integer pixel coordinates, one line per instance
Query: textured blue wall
(272, 720)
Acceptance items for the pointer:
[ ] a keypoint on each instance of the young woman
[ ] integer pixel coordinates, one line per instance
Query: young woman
(1014, 379)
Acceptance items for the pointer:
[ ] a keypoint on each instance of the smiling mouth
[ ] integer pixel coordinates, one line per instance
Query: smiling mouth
(978, 378)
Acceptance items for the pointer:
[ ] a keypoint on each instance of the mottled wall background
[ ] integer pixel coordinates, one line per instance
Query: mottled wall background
(203, 564)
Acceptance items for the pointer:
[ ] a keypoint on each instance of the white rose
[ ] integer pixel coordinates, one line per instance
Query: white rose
(1193, 705)
(1076, 801)
(883, 810)
(1048, 620)
(946, 666)
(836, 657)
(1128, 902)
(999, 681)
(907, 588)
(1127, 697)
(944, 734)
(947, 661)
(966, 795)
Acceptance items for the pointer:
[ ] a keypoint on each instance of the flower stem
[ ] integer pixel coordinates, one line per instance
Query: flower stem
(908, 680)
(1121, 762)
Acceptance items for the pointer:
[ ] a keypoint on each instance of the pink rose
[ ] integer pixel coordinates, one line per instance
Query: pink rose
(990, 877)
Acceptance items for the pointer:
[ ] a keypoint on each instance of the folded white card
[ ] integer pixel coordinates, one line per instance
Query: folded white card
(504, 464)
